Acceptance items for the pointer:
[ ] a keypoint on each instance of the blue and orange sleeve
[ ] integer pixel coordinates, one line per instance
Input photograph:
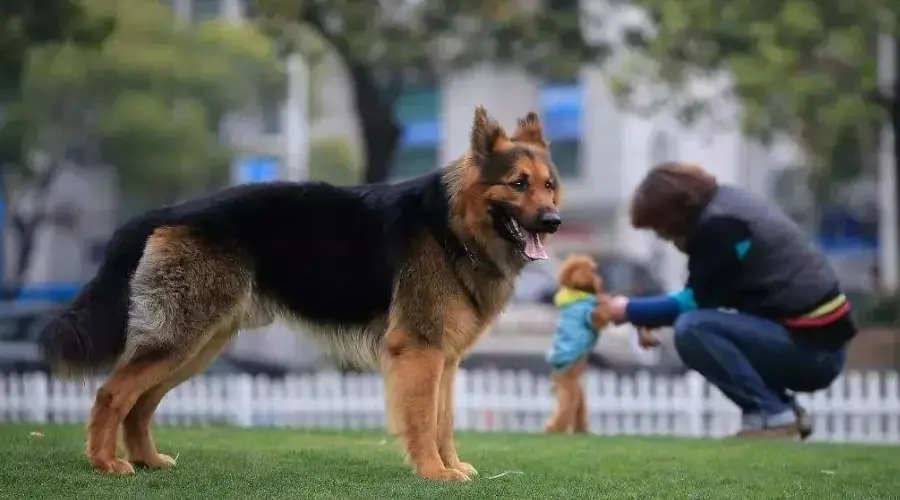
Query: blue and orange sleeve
(718, 250)
(659, 310)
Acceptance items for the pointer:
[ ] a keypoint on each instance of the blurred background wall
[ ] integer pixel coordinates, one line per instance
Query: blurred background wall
(189, 96)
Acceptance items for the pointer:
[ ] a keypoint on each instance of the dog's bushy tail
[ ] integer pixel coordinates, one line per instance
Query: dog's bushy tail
(89, 335)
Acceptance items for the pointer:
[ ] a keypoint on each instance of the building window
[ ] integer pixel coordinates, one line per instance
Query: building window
(418, 112)
(561, 104)
(204, 10)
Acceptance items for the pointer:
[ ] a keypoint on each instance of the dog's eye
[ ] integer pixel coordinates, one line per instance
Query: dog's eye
(519, 185)
(549, 185)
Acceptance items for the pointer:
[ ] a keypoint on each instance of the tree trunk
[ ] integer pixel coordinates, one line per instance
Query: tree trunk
(25, 228)
(380, 130)
(894, 111)
(895, 126)
(374, 106)
(25, 233)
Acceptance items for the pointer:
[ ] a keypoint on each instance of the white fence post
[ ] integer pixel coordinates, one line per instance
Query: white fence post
(462, 402)
(37, 397)
(862, 407)
(240, 400)
(696, 403)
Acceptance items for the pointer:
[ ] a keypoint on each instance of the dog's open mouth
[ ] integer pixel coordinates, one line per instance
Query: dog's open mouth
(529, 243)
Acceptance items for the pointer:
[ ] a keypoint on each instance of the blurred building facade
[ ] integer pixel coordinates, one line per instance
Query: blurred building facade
(601, 151)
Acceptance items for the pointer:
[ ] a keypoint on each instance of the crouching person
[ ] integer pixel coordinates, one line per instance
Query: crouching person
(762, 315)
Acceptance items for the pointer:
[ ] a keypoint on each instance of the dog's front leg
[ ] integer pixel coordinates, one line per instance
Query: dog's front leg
(446, 445)
(412, 380)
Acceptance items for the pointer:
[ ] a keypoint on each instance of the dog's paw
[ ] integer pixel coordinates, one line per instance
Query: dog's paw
(443, 475)
(116, 467)
(466, 468)
(158, 461)
(554, 427)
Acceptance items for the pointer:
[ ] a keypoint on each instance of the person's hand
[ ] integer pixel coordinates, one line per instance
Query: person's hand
(646, 339)
(600, 315)
(617, 309)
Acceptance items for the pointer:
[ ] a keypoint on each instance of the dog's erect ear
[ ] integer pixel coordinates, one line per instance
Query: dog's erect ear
(487, 134)
(531, 131)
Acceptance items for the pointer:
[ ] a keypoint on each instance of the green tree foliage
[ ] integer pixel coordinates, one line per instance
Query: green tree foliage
(28, 23)
(333, 160)
(386, 46)
(150, 102)
(804, 68)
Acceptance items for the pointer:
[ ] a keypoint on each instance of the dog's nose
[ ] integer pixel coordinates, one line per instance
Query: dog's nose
(550, 221)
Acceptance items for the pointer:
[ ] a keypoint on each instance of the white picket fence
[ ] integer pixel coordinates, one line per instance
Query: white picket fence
(858, 407)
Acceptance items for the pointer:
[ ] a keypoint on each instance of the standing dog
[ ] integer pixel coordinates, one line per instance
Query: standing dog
(438, 255)
(580, 318)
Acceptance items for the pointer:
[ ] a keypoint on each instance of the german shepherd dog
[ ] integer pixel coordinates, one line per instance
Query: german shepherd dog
(401, 277)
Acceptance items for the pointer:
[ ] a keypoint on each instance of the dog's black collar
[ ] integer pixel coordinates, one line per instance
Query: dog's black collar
(457, 250)
(478, 264)
(459, 253)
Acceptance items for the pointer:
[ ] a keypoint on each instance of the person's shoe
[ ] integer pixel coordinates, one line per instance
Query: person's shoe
(776, 432)
(804, 423)
(788, 424)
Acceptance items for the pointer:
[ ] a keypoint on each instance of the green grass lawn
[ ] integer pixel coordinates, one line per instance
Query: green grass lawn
(216, 463)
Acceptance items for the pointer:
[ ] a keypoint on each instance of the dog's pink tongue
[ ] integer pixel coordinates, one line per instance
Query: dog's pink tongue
(534, 249)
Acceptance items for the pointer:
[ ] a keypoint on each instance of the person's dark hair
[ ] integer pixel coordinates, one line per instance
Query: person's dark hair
(671, 197)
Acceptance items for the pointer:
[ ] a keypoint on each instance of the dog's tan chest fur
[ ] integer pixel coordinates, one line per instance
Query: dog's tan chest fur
(444, 305)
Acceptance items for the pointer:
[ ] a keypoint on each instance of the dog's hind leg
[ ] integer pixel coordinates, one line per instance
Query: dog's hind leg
(568, 389)
(412, 378)
(113, 400)
(180, 291)
(581, 419)
(140, 447)
(556, 423)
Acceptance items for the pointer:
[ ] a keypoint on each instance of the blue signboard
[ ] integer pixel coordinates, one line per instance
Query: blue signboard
(255, 169)
(840, 231)
(560, 108)
(421, 133)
